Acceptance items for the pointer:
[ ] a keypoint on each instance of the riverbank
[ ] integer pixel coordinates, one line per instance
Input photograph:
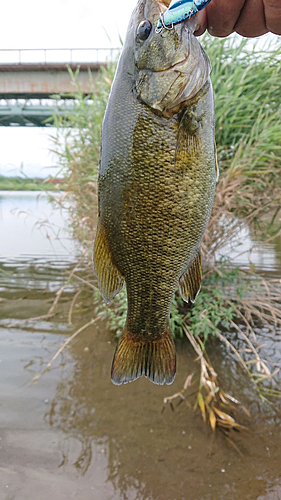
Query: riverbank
(29, 184)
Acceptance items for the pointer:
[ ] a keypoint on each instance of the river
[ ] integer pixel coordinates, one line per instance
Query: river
(74, 434)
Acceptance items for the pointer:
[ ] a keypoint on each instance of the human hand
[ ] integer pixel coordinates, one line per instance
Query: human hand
(249, 18)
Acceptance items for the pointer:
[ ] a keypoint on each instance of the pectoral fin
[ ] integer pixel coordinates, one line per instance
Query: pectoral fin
(187, 141)
(190, 281)
(110, 281)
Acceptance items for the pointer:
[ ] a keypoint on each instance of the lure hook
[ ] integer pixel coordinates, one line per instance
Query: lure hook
(161, 20)
(178, 11)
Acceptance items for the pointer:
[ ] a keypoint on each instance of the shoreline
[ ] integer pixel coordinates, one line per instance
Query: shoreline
(31, 184)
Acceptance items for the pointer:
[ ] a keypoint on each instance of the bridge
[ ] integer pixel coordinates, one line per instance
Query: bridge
(30, 78)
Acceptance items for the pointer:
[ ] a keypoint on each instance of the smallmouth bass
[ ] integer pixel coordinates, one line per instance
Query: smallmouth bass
(156, 187)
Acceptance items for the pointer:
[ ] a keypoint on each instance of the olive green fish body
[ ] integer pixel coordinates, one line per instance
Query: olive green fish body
(156, 187)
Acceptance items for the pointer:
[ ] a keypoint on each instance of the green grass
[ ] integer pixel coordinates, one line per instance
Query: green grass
(248, 114)
(210, 311)
(26, 184)
(246, 85)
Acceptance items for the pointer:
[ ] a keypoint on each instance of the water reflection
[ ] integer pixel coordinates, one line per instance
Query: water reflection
(74, 434)
(247, 251)
(31, 227)
(151, 455)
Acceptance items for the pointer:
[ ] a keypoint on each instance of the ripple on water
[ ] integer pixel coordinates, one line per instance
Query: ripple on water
(76, 435)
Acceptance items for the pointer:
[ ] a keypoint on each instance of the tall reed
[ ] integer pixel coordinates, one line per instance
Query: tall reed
(246, 85)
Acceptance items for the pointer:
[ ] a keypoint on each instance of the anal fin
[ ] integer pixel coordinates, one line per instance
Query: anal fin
(190, 281)
(110, 281)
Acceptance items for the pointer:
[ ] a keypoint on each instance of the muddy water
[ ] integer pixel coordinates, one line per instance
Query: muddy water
(75, 435)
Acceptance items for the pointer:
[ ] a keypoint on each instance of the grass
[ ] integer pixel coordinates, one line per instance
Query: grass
(77, 145)
(28, 184)
(247, 101)
(248, 110)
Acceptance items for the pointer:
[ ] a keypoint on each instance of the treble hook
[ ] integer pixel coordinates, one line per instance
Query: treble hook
(161, 20)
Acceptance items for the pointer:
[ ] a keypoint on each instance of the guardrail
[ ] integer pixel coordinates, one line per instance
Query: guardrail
(49, 56)
(34, 112)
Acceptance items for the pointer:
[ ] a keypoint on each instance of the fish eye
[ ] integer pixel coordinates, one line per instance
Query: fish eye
(144, 29)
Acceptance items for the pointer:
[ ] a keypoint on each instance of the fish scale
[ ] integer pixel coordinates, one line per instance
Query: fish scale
(156, 186)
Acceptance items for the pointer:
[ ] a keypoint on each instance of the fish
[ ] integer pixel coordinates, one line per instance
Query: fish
(178, 11)
(157, 177)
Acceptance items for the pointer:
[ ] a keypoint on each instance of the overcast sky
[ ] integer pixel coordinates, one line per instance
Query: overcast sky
(53, 24)
(63, 23)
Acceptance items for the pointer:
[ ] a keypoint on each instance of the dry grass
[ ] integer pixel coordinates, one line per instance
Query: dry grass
(248, 103)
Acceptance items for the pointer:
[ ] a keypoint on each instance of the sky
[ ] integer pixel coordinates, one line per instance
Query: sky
(55, 24)
(64, 23)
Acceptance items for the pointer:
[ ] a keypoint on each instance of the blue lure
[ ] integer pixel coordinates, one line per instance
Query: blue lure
(178, 11)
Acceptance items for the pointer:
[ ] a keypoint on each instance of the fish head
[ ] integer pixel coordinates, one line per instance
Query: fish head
(156, 51)
(170, 66)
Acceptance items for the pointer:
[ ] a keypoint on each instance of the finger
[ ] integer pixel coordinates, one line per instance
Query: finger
(251, 21)
(272, 11)
(201, 23)
(222, 16)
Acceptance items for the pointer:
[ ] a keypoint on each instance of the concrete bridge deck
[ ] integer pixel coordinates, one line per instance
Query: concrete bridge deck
(27, 75)
(23, 75)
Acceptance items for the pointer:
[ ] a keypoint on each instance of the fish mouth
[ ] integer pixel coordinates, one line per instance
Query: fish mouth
(186, 27)
(174, 76)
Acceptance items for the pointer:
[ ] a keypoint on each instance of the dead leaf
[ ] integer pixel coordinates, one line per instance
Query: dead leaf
(201, 405)
(213, 420)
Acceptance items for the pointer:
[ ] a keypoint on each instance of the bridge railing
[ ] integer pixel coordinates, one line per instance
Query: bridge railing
(49, 56)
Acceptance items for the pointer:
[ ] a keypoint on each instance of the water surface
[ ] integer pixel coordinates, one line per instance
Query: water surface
(74, 434)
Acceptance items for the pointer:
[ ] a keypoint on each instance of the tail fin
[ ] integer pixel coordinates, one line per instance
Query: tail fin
(135, 356)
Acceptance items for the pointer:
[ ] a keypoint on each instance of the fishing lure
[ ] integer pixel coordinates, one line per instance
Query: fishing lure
(178, 11)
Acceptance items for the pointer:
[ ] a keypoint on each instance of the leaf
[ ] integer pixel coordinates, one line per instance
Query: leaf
(224, 416)
(246, 411)
(224, 400)
(213, 420)
(227, 420)
(201, 405)
(233, 400)
(209, 398)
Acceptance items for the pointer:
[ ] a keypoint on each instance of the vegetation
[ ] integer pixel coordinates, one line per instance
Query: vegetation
(248, 111)
(77, 144)
(28, 184)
